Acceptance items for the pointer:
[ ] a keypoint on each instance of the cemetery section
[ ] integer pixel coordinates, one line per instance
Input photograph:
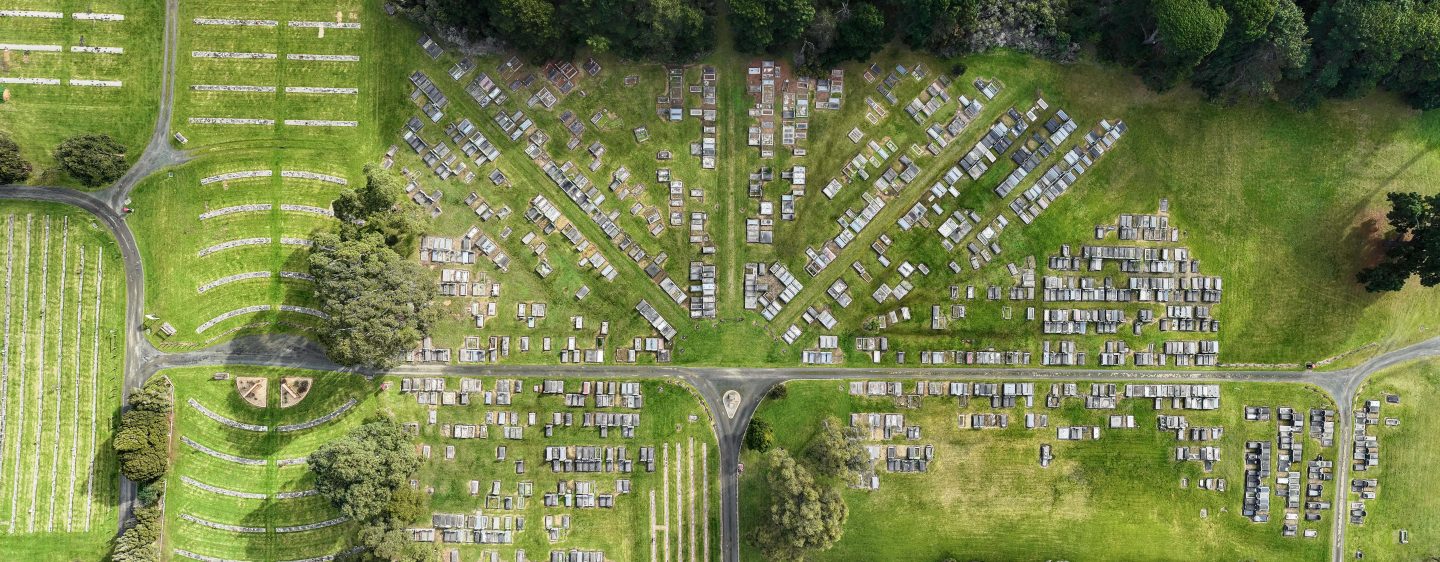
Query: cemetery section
(225, 242)
(70, 66)
(274, 70)
(231, 493)
(628, 469)
(1391, 513)
(60, 365)
(515, 468)
(1069, 469)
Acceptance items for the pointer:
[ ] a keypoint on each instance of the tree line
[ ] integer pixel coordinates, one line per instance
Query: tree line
(1300, 51)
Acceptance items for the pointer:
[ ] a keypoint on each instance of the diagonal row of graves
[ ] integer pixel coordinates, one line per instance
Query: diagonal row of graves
(25, 50)
(448, 163)
(306, 59)
(592, 477)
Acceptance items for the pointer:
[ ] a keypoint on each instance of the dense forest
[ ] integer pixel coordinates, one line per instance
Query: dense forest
(1299, 51)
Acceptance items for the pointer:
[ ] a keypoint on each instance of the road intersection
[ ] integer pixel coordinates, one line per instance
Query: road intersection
(144, 360)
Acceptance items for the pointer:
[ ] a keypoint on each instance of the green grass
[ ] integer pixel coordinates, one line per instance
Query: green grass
(61, 371)
(171, 234)
(621, 532)
(986, 497)
(40, 116)
(1407, 456)
(328, 392)
(281, 40)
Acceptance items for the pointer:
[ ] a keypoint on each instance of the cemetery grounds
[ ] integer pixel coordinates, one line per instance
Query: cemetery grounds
(1404, 475)
(36, 46)
(985, 494)
(64, 301)
(671, 417)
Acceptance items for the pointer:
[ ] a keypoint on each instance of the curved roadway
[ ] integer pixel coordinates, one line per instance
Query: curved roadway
(143, 359)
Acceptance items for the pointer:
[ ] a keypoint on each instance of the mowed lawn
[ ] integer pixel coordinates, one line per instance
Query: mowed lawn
(672, 418)
(63, 309)
(1405, 496)
(172, 235)
(986, 497)
(39, 116)
(285, 42)
(328, 393)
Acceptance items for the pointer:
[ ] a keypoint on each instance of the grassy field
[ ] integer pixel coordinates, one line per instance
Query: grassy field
(1407, 455)
(986, 496)
(171, 236)
(329, 391)
(291, 33)
(59, 382)
(622, 532)
(39, 116)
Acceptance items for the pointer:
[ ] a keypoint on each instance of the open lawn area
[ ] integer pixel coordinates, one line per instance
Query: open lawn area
(64, 302)
(985, 495)
(79, 66)
(1405, 498)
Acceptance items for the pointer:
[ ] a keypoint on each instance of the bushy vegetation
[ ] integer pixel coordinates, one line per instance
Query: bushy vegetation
(836, 450)
(138, 543)
(379, 302)
(1414, 247)
(94, 160)
(759, 436)
(667, 30)
(13, 167)
(365, 474)
(804, 515)
(142, 441)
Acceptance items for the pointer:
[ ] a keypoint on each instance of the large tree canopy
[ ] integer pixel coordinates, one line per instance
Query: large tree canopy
(1415, 247)
(142, 441)
(836, 449)
(360, 472)
(95, 160)
(13, 167)
(804, 516)
(379, 304)
(380, 207)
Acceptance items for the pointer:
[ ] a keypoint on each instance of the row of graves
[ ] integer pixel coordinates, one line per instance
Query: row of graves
(321, 105)
(1299, 495)
(18, 56)
(671, 107)
(591, 477)
(1365, 457)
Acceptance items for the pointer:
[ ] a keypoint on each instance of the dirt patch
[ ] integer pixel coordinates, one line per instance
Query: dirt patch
(1370, 230)
(255, 390)
(293, 390)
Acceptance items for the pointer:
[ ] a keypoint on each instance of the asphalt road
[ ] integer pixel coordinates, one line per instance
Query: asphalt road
(143, 360)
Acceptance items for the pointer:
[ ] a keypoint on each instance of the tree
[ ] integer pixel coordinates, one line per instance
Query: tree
(1186, 31)
(141, 444)
(766, 25)
(93, 159)
(137, 542)
(13, 167)
(378, 303)
(360, 472)
(387, 540)
(154, 396)
(836, 450)
(1414, 248)
(860, 35)
(759, 436)
(1246, 65)
(381, 207)
(803, 515)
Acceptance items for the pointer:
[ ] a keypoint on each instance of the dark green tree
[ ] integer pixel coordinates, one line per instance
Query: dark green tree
(836, 449)
(141, 444)
(379, 304)
(1414, 248)
(380, 206)
(803, 516)
(1186, 31)
(1250, 65)
(360, 472)
(93, 159)
(860, 35)
(767, 25)
(759, 436)
(138, 541)
(13, 167)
